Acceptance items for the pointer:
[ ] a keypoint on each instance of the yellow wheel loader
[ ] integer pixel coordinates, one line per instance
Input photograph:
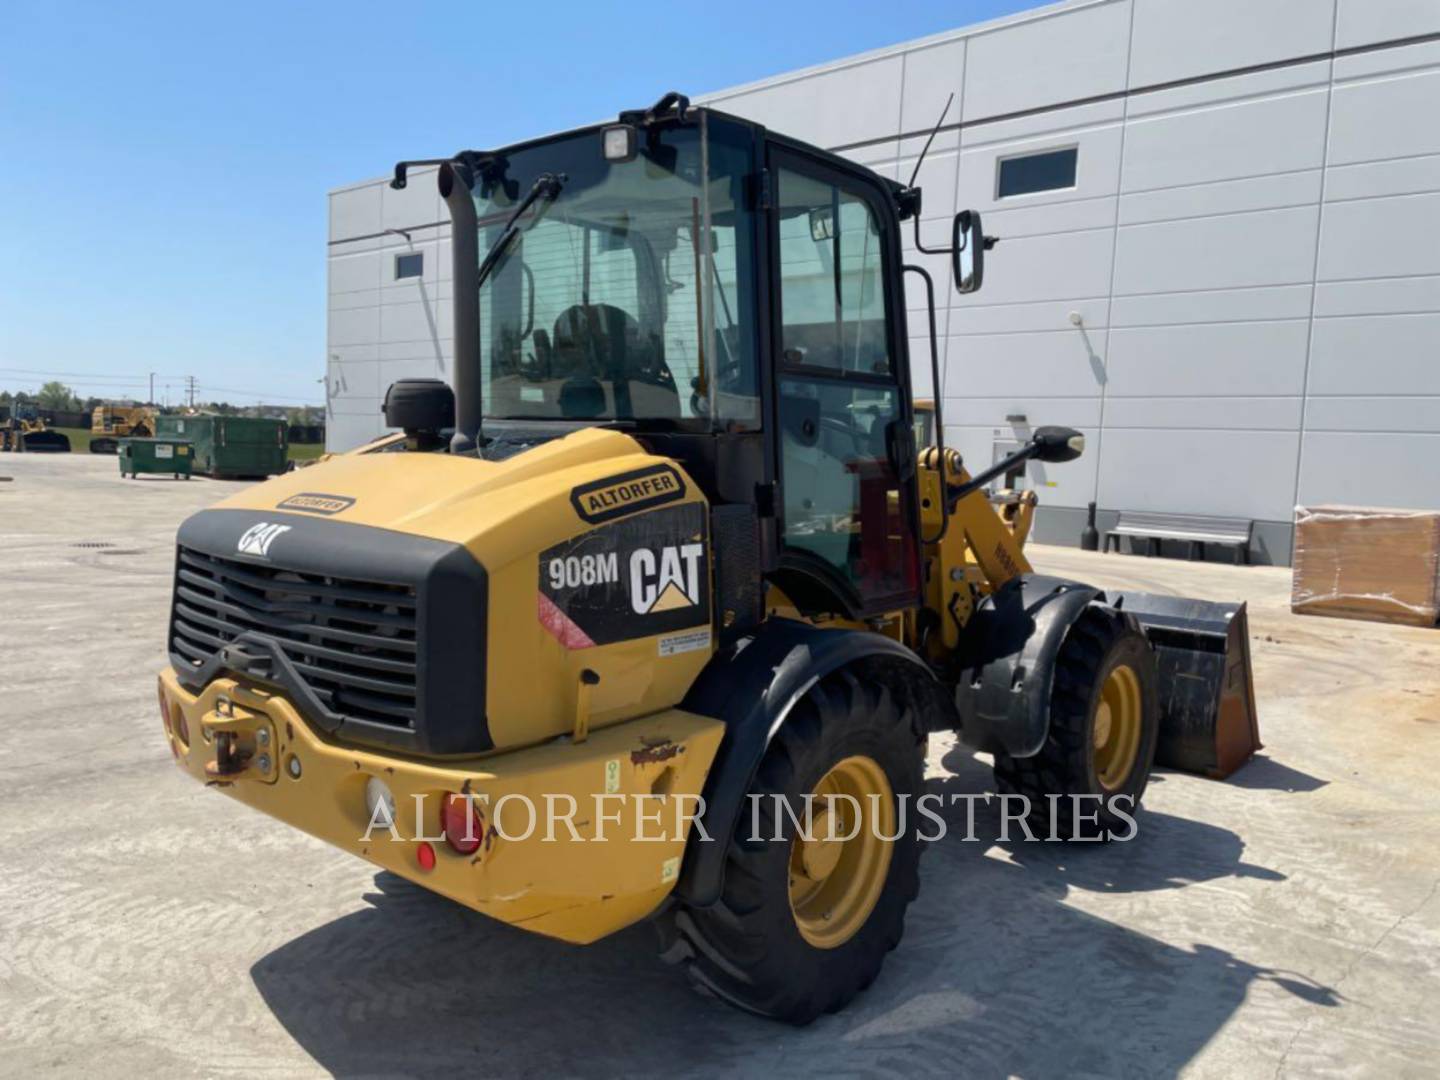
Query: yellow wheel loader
(651, 616)
(111, 423)
(25, 430)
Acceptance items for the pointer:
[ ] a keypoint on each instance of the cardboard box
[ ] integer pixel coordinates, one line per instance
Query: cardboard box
(1358, 562)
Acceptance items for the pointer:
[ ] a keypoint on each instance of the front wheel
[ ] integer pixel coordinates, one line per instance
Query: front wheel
(1104, 723)
(811, 905)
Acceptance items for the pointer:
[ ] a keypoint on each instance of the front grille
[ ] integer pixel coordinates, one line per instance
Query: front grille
(352, 642)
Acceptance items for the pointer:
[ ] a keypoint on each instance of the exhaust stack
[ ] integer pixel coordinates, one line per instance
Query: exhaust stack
(456, 181)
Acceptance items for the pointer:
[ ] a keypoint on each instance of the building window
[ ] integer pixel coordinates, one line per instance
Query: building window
(1052, 170)
(409, 265)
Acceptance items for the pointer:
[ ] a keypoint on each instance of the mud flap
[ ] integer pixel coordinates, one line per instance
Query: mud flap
(1208, 723)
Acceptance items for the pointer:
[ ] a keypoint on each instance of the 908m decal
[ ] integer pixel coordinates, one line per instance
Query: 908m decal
(648, 574)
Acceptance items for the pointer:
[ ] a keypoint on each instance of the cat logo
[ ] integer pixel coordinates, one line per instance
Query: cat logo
(257, 539)
(667, 582)
(646, 574)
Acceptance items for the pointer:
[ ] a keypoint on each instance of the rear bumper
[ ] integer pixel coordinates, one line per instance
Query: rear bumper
(635, 788)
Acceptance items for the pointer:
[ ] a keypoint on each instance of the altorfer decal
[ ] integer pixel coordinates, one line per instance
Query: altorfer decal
(643, 489)
(313, 502)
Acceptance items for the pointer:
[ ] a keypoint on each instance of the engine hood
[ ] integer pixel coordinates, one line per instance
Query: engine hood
(447, 605)
(463, 500)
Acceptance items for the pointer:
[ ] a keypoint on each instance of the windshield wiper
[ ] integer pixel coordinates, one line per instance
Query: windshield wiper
(547, 186)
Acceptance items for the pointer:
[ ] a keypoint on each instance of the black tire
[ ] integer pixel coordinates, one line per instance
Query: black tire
(747, 949)
(1100, 641)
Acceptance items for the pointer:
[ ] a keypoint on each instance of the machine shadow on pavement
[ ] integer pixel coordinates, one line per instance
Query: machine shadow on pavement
(996, 977)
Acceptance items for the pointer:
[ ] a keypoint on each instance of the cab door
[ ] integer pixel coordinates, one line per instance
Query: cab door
(846, 452)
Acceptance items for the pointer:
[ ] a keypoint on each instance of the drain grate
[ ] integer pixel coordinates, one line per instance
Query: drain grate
(93, 544)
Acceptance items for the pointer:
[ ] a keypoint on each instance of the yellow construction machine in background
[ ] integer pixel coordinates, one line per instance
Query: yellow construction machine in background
(26, 431)
(111, 423)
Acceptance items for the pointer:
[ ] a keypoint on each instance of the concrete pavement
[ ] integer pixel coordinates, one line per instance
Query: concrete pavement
(1283, 923)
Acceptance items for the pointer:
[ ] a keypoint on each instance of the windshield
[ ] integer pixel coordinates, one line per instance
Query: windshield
(624, 296)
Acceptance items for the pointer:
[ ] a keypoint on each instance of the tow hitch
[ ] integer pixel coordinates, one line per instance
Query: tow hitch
(244, 744)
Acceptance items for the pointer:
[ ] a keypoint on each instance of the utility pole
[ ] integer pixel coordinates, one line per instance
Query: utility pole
(190, 383)
(151, 399)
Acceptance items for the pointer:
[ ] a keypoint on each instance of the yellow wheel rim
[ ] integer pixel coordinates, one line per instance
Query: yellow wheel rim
(838, 866)
(1116, 737)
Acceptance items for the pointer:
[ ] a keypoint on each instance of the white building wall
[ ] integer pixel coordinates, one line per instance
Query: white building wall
(382, 328)
(1252, 246)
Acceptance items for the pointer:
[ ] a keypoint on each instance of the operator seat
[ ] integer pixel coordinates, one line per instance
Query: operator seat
(592, 339)
(602, 342)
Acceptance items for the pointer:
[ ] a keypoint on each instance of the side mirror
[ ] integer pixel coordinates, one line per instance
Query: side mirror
(967, 245)
(1055, 445)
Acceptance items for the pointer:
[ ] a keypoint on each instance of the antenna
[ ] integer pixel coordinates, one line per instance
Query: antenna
(933, 132)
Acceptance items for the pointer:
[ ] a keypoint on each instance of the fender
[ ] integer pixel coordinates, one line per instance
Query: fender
(1009, 649)
(752, 687)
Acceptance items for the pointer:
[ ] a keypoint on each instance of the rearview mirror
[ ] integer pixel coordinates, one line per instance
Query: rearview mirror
(968, 251)
(1055, 445)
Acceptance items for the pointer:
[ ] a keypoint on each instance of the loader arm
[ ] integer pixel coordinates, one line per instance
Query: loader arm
(976, 554)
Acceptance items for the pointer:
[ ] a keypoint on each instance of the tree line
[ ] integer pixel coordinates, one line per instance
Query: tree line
(57, 396)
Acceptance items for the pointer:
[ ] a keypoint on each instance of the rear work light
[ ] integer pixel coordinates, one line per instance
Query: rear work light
(464, 828)
(619, 141)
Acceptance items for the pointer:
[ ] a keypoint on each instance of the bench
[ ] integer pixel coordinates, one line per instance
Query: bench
(1193, 529)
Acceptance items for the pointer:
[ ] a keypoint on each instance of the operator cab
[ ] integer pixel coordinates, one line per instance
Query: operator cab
(733, 300)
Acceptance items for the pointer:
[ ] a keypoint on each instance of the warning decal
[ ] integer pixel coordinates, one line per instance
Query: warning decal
(648, 574)
(688, 641)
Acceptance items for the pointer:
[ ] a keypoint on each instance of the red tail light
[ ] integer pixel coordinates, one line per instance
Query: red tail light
(425, 856)
(464, 828)
(178, 726)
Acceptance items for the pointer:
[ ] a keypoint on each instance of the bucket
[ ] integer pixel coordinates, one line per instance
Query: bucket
(1208, 723)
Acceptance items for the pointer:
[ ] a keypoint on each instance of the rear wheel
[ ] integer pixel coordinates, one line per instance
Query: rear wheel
(1104, 723)
(807, 915)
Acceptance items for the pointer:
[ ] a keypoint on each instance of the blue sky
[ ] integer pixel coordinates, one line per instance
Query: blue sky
(165, 164)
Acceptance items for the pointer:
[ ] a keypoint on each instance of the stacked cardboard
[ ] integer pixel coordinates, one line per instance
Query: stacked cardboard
(1359, 562)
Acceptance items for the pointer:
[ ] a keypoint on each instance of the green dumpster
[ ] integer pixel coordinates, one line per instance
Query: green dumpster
(232, 446)
(157, 455)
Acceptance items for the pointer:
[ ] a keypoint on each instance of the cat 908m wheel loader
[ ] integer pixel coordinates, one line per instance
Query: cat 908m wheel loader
(667, 560)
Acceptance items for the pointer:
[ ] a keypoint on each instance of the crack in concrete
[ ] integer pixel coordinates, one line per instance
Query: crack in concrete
(1366, 953)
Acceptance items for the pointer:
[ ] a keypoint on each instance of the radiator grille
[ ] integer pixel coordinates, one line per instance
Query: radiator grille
(353, 642)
